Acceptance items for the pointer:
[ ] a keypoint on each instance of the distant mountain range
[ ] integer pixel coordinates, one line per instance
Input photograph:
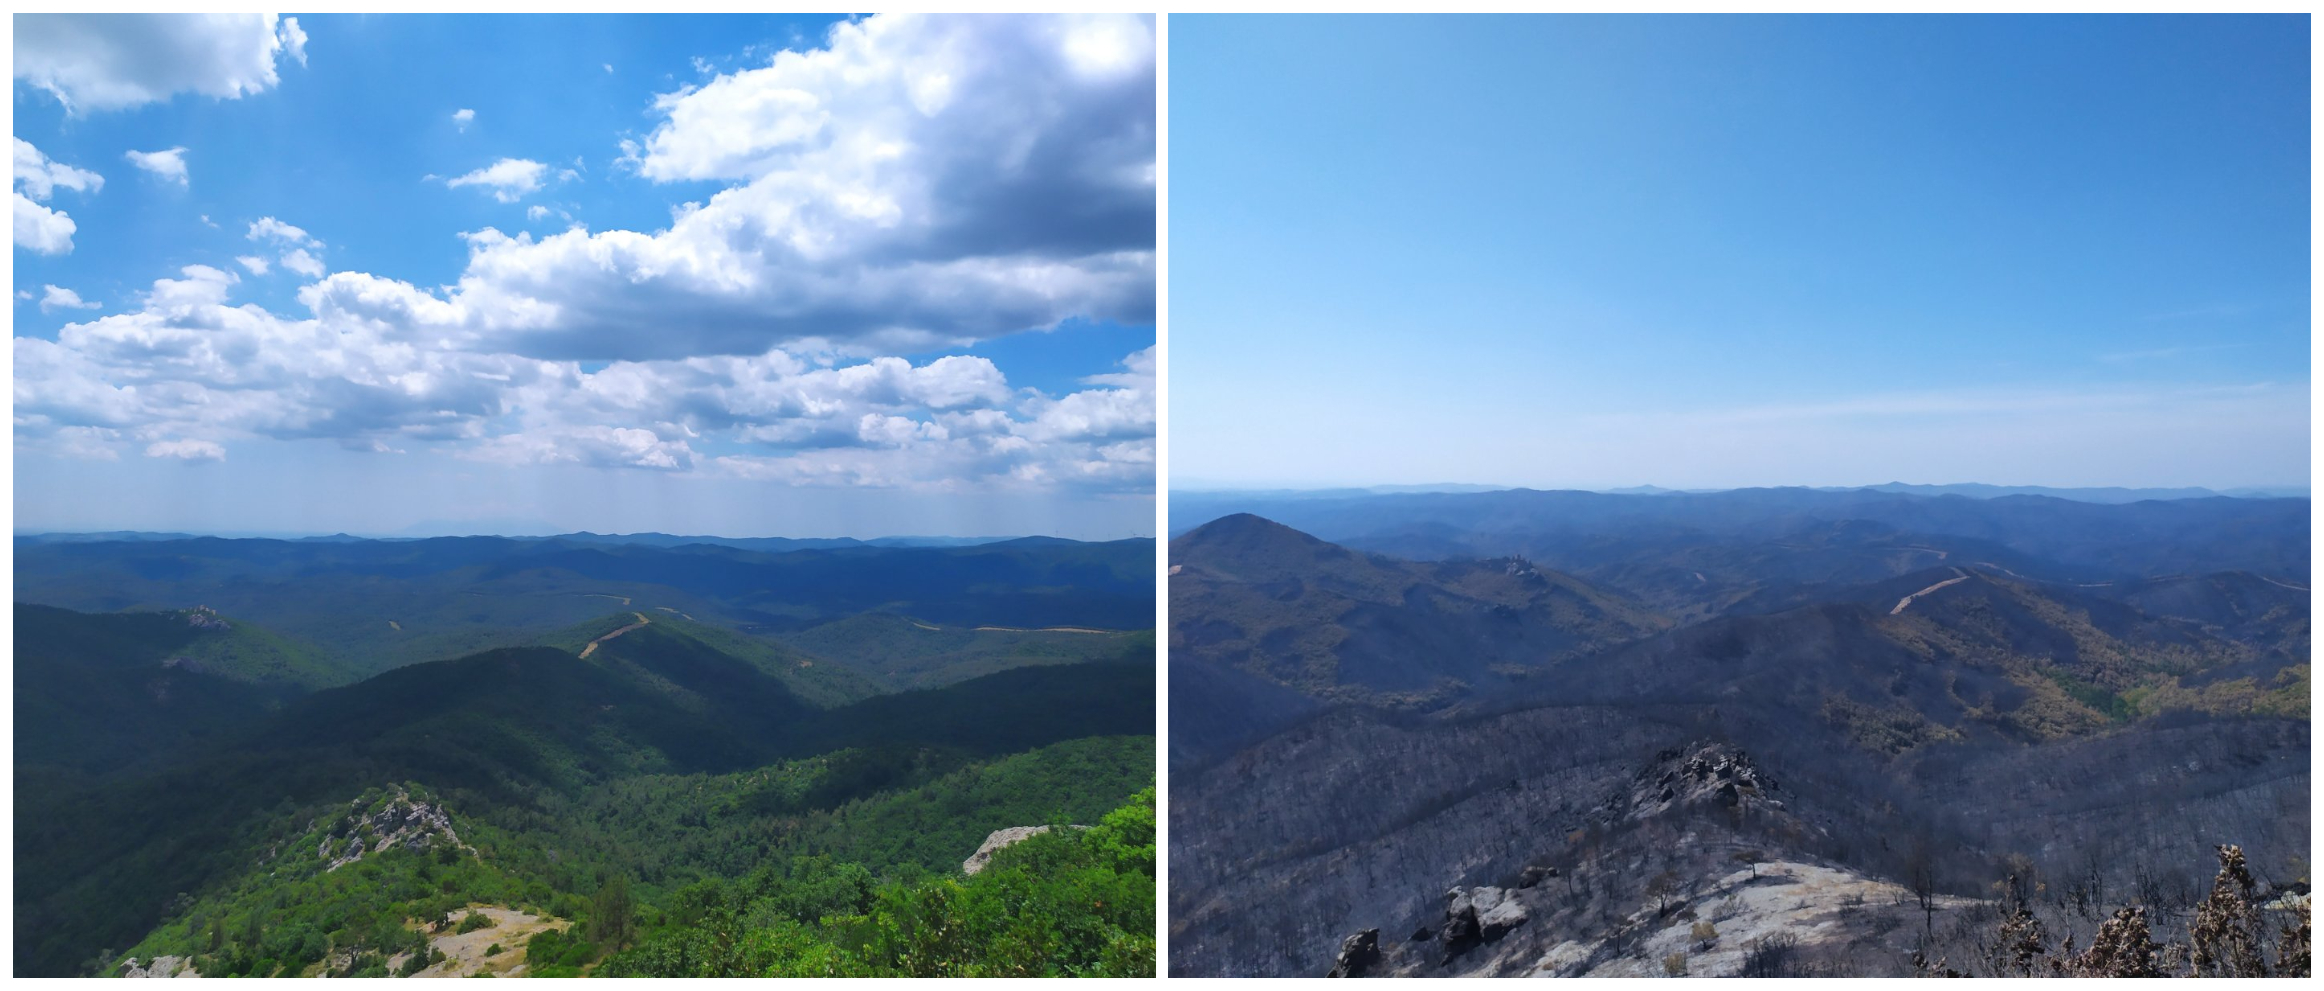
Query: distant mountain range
(2103, 494)
(1973, 490)
(376, 604)
(1688, 541)
(580, 537)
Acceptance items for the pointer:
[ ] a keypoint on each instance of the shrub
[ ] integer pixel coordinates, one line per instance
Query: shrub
(1773, 956)
(2226, 932)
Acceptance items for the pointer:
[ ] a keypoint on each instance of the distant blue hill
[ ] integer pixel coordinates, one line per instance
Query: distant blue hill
(2111, 495)
(770, 544)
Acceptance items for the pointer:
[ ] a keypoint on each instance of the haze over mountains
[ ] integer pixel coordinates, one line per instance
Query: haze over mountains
(1198, 497)
(383, 603)
(1378, 698)
(544, 724)
(652, 539)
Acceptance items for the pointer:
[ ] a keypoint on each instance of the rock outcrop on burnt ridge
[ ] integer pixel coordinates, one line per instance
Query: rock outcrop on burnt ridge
(1700, 773)
(1358, 955)
(1652, 874)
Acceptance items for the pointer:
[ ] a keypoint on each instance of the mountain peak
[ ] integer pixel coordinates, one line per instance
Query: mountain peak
(1242, 533)
(1245, 526)
(1252, 548)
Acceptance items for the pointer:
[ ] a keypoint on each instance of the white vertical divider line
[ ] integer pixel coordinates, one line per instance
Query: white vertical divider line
(1161, 493)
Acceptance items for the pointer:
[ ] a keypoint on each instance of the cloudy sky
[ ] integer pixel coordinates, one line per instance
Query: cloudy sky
(730, 275)
(1709, 252)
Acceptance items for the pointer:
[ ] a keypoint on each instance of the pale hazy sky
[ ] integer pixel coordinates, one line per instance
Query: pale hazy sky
(1712, 252)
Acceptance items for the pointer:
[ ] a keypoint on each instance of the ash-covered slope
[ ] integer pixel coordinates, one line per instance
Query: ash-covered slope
(1955, 724)
(1256, 603)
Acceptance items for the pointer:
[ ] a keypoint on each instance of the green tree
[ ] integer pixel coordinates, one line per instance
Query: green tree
(609, 917)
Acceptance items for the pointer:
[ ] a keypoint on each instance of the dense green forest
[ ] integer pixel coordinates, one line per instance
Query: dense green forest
(638, 792)
(822, 865)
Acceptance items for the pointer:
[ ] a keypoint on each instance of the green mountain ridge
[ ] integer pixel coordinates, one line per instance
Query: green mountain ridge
(102, 851)
(903, 652)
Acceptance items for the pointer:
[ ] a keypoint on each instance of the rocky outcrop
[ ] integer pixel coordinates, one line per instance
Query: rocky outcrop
(1700, 773)
(206, 618)
(1000, 839)
(1358, 955)
(160, 967)
(1475, 916)
(401, 821)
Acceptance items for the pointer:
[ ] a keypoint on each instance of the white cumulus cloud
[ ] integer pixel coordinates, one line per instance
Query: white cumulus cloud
(298, 260)
(40, 177)
(913, 186)
(299, 251)
(270, 229)
(42, 230)
(39, 228)
(168, 164)
(95, 62)
(900, 188)
(462, 116)
(508, 180)
(56, 298)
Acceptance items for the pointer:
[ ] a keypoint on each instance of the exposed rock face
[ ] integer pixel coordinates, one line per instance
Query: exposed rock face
(1460, 933)
(1505, 913)
(1811, 905)
(1696, 773)
(1001, 838)
(402, 821)
(206, 618)
(1358, 954)
(161, 967)
(1474, 916)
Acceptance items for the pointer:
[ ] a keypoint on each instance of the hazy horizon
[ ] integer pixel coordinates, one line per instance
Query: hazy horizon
(545, 535)
(1199, 485)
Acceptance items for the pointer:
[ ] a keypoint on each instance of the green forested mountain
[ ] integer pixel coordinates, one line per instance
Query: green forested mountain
(197, 788)
(909, 653)
(697, 858)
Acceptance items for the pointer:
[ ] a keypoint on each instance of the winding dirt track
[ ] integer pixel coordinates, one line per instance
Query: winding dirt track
(592, 648)
(1907, 600)
(2288, 585)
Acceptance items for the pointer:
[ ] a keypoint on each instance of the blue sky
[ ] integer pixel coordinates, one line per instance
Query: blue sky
(1727, 251)
(737, 275)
